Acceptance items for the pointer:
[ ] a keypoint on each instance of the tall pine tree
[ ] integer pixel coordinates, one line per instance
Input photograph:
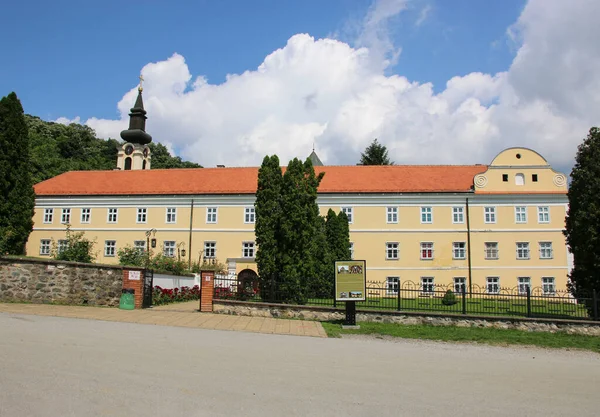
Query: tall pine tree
(268, 217)
(17, 197)
(375, 154)
(583, 218)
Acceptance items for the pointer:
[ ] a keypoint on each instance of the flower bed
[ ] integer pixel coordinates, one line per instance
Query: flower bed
(162, 296)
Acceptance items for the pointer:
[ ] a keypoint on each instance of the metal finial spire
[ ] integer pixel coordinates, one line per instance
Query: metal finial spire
(140, 88)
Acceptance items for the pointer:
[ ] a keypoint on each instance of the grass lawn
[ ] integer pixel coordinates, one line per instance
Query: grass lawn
(464, 334)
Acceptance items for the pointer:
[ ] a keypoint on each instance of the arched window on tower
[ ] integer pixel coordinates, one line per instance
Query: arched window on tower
(519, 179)
(144, 164)
(127, 164)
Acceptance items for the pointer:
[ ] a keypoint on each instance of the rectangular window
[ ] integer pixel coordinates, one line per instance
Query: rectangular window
(249, 215)
(548, 287)
(427, 286)
(351, 250)
(140, 245)
(48, 214)
(459, 284)
(110, 247)
(458, 250)
(426, 215)
(86, 215)
(392, 214)
(521, 214)
(489, 214)
(141, 215)
(169, 248)
(543, 214)
(349, 213)
(493, 285)
(546, 250)
(524, 283)
(171, 215)
(534, 177)
(458, 215)
(391, 251)
(491, 250)
(248, 250)
(505, 177)
(522, 250)
(112, 215)
(45, 247)
(66, 216)
(63, 244)
(392, 285)
(426, 250)
(210, 250)
(211, 215)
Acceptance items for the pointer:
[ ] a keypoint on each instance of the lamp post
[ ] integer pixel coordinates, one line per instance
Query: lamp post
(151, 232)
(180, 250)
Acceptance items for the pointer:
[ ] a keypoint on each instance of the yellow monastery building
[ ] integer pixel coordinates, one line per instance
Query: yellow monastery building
(484, 226)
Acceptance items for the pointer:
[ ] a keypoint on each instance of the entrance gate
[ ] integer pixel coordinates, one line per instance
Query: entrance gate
(148, 287)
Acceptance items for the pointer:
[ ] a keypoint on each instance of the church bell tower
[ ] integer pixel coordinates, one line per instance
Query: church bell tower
(135, 153)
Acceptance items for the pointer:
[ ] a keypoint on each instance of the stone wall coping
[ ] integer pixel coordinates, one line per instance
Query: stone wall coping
(21, 259)
(410, 313)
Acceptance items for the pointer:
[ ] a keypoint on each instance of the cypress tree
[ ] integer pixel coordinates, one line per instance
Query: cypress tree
(17, 198)
(338, 235)
(268, 217)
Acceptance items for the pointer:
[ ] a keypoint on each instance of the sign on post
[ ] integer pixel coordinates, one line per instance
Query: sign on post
(350, 280)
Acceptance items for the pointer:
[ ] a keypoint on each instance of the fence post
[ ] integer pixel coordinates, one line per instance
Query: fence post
(334, 300)
(399, 296)
(595, 301)
(272, 290)
(528, 292)
(464, 298)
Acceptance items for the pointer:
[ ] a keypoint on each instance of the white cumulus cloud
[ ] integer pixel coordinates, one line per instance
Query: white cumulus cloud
(340, 97)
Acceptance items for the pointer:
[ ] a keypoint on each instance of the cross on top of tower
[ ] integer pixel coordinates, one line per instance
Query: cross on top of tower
(140, 88)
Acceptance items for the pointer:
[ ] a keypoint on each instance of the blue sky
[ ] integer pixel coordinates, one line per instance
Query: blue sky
(73, 58)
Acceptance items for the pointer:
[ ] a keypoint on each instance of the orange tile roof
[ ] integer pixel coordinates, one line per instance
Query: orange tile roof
(338, 179)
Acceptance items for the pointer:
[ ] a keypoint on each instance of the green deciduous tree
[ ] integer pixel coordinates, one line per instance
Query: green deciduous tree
(77, 248)
(267, 224)
(583, 217)
(375, 154)
(17, 197)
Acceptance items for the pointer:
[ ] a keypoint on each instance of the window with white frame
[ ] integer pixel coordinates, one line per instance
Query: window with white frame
(44, 246)
(63, 245)
(491, 250)
(210, 250)
(140, 245)
(86, 215)
(248, 250)
(211, 215)
(169, 248)
(112, 215)
(65, 216)
(426, 215)
(493, 285)
(391, 250)
(543, 214)
(548, 287)
(522, 250)
(349, 212)
(489, 214)
(427, 286)
(249, 215)
(524, 283)
(459, 284)
(458, 215)
(141, 215)
(546, 250)
(459, 250)
(426, 250)
(48, 214)
(392, 214)
(392, 285)
(351, 250)
(171, 215)
(521, 214)
(519, 179)
(110, 247)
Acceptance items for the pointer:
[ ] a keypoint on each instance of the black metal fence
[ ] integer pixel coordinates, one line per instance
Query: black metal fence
(520, 301)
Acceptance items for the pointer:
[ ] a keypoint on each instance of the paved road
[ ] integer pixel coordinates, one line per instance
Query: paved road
(51, 366)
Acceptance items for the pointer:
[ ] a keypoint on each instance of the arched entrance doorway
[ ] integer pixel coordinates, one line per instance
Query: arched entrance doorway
(247, 284)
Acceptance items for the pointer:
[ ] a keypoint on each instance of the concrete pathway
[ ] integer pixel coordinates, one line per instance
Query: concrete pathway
(178, 315)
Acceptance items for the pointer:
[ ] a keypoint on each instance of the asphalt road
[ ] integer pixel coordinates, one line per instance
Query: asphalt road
(72, 367)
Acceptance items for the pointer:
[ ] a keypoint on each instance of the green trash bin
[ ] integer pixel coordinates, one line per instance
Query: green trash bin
(127, 301)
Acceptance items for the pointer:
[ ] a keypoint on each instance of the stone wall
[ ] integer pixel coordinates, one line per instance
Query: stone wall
(50, 281)
(330, 314)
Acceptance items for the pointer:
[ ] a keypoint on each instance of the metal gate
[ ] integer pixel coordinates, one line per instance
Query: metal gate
(148, 287)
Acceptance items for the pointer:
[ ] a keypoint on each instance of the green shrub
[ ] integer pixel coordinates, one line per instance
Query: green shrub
(77, 249)
(449, 298)
(131, 256)
(167, 264)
